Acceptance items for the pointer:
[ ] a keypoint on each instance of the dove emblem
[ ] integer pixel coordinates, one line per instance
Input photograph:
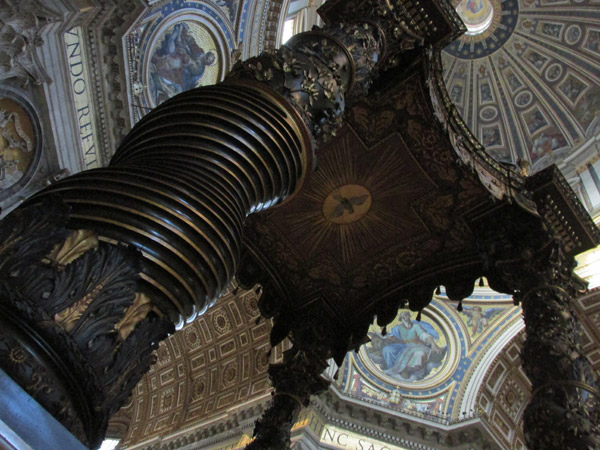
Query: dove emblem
(347, 204)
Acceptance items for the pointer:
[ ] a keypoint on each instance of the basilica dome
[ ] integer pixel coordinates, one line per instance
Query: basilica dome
(525, 76)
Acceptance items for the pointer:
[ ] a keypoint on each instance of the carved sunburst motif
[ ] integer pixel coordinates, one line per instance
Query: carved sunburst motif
(357, 201)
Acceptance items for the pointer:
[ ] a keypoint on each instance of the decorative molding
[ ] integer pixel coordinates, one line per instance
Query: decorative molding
(104, 36)
(22, 24)
(476, 380)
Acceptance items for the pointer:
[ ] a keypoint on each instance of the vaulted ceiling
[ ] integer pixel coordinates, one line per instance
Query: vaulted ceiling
(525, 76)
(218, 361)
(526, 81)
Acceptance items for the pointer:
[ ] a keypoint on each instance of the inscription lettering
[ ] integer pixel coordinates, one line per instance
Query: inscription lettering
(79, 87)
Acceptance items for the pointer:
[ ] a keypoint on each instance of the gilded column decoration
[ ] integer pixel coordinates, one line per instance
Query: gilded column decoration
(75, 334)
(319, 70)
(154, 238)
(565, 406)
(300, 376)
(295, 380)
(564, 410)
(316, 70)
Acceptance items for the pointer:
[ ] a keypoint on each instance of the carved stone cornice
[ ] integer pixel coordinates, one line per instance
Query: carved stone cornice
(104, 33)
(397, 428)
(334, 409)
(271, 20)
(235, 422)
(261, 28)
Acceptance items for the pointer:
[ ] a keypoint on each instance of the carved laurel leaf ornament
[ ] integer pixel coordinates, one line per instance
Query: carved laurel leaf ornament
(79, 242)
(134, 314)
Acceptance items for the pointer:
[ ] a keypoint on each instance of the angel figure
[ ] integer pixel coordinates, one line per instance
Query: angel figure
(479, 319)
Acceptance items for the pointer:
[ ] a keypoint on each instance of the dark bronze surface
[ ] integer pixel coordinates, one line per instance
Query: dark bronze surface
(404, 199)
(182, 182)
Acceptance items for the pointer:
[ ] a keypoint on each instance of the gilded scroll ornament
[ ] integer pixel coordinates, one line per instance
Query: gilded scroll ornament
(68, 317)
(134, 315)
(66, 291)
(79, 242)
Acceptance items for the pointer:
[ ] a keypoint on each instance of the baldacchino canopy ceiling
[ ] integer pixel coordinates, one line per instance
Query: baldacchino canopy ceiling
(525, 76)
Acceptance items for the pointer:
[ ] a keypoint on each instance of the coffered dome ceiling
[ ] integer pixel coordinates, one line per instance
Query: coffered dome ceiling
(525, 76)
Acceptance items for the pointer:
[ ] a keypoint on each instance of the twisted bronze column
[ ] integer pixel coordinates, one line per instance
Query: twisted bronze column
(120, 254)
(182, 182)
(528, 260)
(186, 176)
(564, 410)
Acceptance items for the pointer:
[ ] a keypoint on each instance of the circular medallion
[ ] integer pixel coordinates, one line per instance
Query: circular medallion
(192, 337)
(573, 34)
(221, 322)
(553, 72)
(184, 56)
(523, 99)
(488, 113)
(198, 388)
(20, 142)
(347, 204)
(229, 374)
(413, 354)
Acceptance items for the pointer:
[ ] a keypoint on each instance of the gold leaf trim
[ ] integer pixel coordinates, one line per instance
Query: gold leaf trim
(79, 242)
(134, 315)
(68, 317)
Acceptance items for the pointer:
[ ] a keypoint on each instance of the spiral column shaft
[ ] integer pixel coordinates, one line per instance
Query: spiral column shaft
(182, 182)
(100, 265)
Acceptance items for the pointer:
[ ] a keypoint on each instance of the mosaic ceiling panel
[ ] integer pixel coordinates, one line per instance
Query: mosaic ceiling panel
(20, 143)
(526, 76)
(423, 367)
(179, 45)
(179, 61)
